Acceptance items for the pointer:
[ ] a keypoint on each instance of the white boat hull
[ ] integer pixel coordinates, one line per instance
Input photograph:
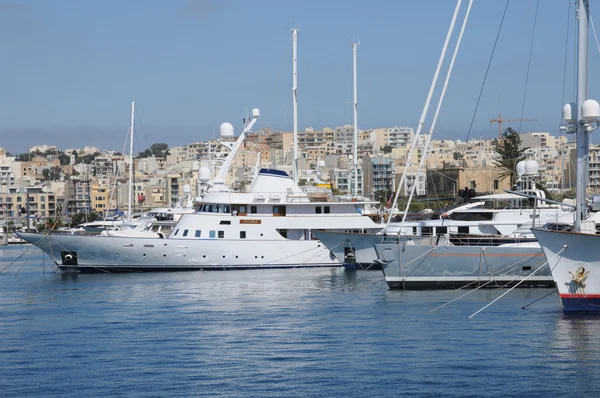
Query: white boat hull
(93, 254)
(449, 267)
(574, 259)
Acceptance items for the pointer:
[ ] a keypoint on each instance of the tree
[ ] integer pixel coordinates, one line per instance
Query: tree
(52, 174)
(64, 159)
(386, 149)
(159, 150)
(80, 218)
(510, 153)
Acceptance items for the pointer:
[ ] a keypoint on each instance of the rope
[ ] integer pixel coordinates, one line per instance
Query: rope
(537, 4)
(425, 109)
(437, 112)
(523, 280)
(535, 301)
(485, 78)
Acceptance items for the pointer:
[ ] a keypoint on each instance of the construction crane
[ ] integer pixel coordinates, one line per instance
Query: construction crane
(500, 120)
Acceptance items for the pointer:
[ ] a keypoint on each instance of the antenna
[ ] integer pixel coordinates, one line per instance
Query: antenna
(355, 107)
(295, 98)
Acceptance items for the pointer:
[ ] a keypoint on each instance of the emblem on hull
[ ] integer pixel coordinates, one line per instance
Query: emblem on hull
(578, 278)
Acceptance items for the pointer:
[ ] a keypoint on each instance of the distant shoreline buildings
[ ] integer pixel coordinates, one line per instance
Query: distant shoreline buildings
(59, 183)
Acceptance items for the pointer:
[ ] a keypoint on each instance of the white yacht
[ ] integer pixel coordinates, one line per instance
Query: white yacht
(271, 226)
(487, 220)
(272, 229)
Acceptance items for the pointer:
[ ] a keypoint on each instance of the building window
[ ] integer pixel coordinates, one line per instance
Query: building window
(242, 234)
(473, 185)
(221, 234)
(198, 233)
(185, 232)
(327, 209)
(496, 184)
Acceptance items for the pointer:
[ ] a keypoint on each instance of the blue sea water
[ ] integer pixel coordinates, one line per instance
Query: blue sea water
(274, 333)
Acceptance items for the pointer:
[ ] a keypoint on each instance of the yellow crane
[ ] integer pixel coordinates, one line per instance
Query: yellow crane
(500, 120)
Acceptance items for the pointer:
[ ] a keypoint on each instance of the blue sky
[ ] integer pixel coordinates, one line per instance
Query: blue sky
(71, 68)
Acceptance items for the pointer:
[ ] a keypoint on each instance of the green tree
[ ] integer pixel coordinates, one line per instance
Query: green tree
(52, 173)
(64, 159)
(80, 218)
(510, 152)
(386, 149)
(159, 150)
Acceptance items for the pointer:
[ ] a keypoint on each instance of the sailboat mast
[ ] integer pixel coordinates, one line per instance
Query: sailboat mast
(583, 136)
(130, 197)
(355, 106)
(295, 98)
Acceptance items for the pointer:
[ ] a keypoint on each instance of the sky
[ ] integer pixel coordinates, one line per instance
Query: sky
(71, 68)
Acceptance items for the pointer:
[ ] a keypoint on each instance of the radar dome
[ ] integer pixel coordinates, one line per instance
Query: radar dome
(321, 163)
(204, 174)
(187, 189)
(590, 110)
(568, 112)
(531, 167)
(255, 113)
(226, 130)
(521, 168)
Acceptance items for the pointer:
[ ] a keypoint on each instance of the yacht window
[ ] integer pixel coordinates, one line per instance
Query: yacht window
(212, 234)
(209, 208)
(326, 210)
(185, 231)
(226, 209)
(253, 209)
(221, 234)
(442, 230)
(176, 231)
(224, 222)
(215, 208)
(426, 231)
(242, 209)
(463, 230)
(242, 234)
(198, 233)
(317, 209)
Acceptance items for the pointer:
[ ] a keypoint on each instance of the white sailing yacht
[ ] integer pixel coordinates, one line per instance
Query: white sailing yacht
(574, 257)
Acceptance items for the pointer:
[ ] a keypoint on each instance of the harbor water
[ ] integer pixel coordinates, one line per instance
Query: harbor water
(272, 333)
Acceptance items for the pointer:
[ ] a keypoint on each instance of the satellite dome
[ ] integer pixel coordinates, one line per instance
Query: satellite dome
(568, 112)
(226, 130)
(521, 168)
(321, 163)
(204, 174)
(255, 113)
(590, 110)
(187, 189)
(531, 167)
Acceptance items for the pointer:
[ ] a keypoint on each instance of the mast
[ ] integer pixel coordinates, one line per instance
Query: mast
(295, 98)
(582, 135)
(130, 197)
(355, 106)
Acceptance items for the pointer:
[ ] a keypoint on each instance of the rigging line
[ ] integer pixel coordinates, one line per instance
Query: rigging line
(425, 107)
(312, 92)
(486, 76)
(437, 110)
(535, 301)
(521, 281)
(595, 36)
(566, 56)
(537, 4)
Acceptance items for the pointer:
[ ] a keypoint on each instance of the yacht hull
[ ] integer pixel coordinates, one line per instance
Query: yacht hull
(574, 259)
(95, 254)
(450, 267)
